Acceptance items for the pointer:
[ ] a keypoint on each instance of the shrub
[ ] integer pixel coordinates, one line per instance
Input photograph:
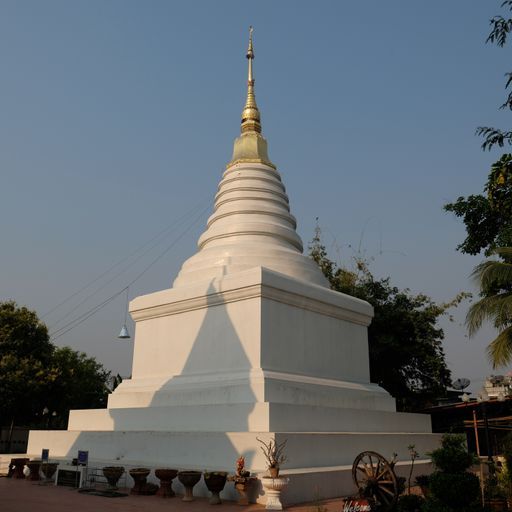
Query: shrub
(452, 488)
(456, 490)
(453, 456)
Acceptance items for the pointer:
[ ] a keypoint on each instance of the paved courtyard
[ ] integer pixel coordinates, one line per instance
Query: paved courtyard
(23, 495)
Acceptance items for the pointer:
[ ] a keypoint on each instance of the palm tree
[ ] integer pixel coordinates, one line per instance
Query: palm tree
(494, 278)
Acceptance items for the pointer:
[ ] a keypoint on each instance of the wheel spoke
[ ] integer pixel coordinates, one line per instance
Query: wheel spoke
(387, 491)
(383, 497)
(372, 466)
(377, 469)
(368, 470)
(382, 473)
(364, 471)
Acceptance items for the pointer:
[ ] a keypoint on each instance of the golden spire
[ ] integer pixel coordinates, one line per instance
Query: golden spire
(250, 114)
(250, 146)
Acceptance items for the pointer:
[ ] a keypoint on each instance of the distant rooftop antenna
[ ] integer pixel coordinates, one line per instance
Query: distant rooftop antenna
(461, 384)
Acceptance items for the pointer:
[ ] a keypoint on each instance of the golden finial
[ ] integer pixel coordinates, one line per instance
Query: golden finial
(250, 114)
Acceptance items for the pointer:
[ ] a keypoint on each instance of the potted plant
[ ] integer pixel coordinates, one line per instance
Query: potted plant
(215, 481)
(243, 481)
(274, 456)
(273, 452)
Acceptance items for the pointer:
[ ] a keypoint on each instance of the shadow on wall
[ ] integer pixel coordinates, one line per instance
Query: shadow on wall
(217, 347)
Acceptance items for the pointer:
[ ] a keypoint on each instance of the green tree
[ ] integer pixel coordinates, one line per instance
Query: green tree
(35, 374)
(77, 382)
(25, 353)
(500, 29)
(495, 281)
(405, 343)
(488, 217)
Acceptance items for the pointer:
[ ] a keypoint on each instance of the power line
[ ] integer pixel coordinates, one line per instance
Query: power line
(160, 234)
(77, 321)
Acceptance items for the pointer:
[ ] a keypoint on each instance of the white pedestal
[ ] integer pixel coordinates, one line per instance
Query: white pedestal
(273, 488)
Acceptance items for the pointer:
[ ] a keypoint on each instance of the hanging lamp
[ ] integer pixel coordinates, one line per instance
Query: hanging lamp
(124, 334)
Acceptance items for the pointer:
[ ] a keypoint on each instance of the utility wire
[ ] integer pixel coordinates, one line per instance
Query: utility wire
(157, 236)
(104, 285)
(77, 321)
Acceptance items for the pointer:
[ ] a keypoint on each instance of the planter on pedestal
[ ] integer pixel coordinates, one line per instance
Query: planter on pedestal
(141, 486)
(139, 476)
(244, 485)
(189, 479)
(273, 488)
(48, 469)
(113, 474)
(215, 481)
(166, 476)
(34, 466)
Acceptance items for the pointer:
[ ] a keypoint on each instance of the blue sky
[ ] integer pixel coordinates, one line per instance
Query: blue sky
(118, 116)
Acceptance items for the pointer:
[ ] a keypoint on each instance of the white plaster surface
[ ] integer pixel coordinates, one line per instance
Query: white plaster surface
(251, 227)
(249, 343)
(318, 462)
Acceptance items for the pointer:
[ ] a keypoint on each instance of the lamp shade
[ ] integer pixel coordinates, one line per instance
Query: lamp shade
(124, 334)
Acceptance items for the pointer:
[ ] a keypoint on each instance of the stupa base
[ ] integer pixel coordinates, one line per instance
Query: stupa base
(318, 464)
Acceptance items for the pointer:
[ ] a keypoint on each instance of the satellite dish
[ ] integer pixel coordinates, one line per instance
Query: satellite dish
(461, 384)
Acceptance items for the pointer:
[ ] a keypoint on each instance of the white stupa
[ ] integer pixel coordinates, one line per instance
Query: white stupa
(249, 342)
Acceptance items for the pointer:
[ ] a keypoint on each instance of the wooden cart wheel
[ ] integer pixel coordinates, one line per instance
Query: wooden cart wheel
(375, 480)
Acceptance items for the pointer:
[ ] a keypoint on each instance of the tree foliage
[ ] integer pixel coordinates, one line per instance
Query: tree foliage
(405, 343)
(25, 353)
(495, 281)
(79, 381)
(488, 218)
(500, 30)
(35, 375)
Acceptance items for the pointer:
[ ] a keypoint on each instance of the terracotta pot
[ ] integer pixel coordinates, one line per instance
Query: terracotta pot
(48, 469)
(113, 474)
(273, 472)
(34, 466)
(166, 476)
(139, 476)
(215, 482)
(19, 464)
(189, 479)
